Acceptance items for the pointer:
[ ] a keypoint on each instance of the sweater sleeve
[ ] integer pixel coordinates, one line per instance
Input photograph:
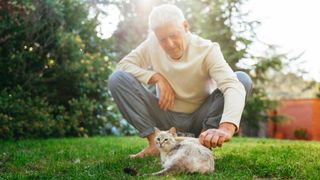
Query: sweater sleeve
(137, 63)
(228, 83)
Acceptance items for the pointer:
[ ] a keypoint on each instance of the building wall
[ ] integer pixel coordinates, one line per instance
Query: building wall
(301, 114)
(316, 120)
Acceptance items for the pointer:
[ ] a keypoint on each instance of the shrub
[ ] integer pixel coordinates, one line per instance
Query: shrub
(23, 116)
(301, 133)
(54, 71)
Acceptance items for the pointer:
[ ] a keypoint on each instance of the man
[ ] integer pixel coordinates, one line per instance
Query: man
(185, 69)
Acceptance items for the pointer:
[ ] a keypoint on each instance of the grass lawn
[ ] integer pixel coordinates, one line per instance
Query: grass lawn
(105, 158)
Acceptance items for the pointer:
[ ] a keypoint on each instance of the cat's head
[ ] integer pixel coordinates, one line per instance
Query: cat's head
(165, 140)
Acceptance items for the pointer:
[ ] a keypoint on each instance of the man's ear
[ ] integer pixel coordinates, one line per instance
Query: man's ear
(156, 130)
(185, 26)
(173, 131)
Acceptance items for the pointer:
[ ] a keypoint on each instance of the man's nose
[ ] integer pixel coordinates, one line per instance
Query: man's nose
(170, 43)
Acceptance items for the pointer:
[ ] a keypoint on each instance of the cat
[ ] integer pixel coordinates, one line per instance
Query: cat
(181, 154)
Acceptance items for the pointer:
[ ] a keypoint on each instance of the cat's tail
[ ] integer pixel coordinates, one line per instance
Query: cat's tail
(160, 173)
(133, 172)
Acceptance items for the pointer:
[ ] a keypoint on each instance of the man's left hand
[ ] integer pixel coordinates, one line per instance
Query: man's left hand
(216, 137)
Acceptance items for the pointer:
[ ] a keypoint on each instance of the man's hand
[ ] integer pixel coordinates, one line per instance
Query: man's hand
(216, 137)
(167, 95)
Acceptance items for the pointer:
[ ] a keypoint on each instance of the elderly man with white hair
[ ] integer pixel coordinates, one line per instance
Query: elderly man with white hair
(197, 91)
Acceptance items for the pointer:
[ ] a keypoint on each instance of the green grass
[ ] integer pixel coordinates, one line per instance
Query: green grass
(105, 158)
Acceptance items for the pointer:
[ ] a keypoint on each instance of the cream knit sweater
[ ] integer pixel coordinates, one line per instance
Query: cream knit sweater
(201, 69)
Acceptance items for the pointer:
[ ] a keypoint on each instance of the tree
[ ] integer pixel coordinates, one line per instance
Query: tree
(54, 71)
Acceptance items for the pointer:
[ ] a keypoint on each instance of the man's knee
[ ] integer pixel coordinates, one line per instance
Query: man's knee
(116, 79)
(245, 79)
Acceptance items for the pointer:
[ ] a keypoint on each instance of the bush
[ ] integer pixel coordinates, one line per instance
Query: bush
(54, 71)
(86, 111)
(301, 133)
(23, 116)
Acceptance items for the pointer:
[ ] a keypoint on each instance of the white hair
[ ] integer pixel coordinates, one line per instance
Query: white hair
(164, 14)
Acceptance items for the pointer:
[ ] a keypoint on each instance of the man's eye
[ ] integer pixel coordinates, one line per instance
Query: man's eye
(162, 40)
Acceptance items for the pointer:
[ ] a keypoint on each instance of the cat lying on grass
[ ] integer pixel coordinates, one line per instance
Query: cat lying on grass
(180, 154)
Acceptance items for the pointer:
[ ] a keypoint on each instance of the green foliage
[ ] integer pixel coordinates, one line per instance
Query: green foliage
(22, 115)
(254, 109)
(54, 70)
(279, 118)
(318, 93)
(89, 120)
(301, 133)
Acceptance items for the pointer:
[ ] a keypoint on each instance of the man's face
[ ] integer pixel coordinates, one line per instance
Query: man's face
(172, 39)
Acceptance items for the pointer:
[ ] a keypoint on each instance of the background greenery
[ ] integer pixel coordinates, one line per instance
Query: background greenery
(54, 67)
(54, 71)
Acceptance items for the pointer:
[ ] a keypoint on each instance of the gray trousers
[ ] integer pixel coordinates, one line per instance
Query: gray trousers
(140, 107)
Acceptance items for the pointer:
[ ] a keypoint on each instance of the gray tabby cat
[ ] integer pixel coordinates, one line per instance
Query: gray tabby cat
(182, 154)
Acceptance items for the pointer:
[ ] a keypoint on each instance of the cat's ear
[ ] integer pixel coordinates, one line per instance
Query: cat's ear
(156, 130)
(173, 131)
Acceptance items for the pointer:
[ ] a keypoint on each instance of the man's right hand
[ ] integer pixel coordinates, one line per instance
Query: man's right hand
(167, 95)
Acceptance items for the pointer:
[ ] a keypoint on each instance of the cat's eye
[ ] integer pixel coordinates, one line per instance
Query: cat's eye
(158, 139)
(165, 139)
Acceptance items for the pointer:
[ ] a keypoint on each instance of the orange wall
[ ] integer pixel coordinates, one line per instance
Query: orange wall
(304, 113)
(316, 120)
